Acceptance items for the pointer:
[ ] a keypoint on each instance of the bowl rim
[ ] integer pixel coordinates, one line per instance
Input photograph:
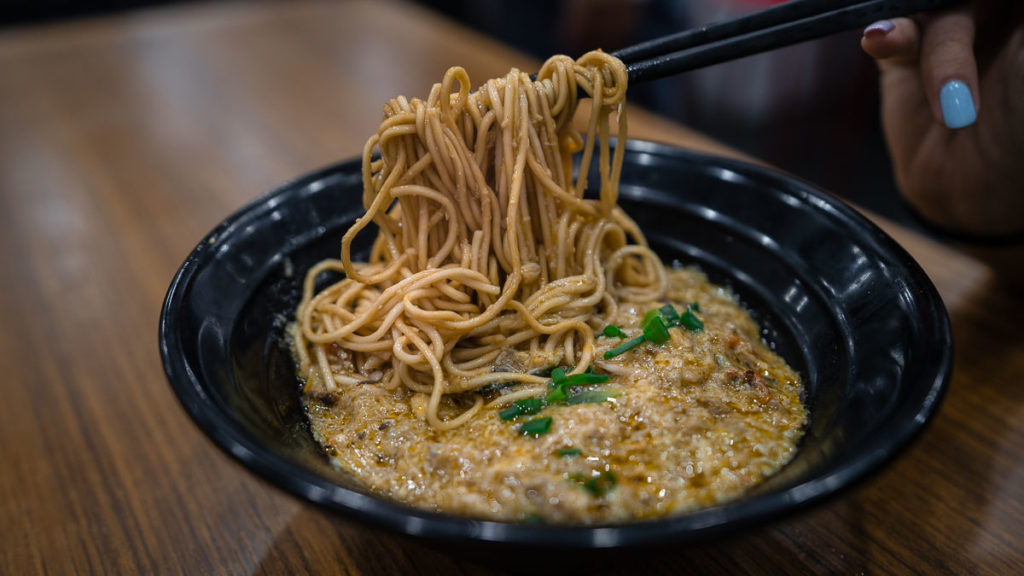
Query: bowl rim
(231, 437)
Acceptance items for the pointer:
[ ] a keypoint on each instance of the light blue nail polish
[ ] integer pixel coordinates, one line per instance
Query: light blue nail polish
(957, 105)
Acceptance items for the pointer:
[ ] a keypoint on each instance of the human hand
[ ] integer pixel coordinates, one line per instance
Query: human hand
(952, 87)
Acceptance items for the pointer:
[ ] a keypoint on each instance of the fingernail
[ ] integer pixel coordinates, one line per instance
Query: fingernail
(957, 105)
(882, 26)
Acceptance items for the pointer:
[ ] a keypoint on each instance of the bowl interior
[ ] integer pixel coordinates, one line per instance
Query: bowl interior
(845, 306)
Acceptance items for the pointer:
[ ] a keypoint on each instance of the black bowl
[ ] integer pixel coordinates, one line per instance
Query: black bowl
(840, 300)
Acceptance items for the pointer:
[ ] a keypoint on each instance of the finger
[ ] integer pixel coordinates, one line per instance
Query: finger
(949, 72)
(892, 42)
(895, 45)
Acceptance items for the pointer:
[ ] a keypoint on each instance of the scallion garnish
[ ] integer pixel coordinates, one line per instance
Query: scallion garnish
(558, 375)
(655, 327)
(655, 330)
(559, 388)
(652, 313)
(624, 347)
(670, 315)
(597, 484)
(556, 393)
(613, 331)
(585, 378)
(530, 405)
(560, 383)
(601, 484)
(536, 427)
(568, 452)
(690, 320)
(591, 397)
(521, 408)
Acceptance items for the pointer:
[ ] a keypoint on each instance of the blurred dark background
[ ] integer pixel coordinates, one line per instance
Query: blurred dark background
(811, 109)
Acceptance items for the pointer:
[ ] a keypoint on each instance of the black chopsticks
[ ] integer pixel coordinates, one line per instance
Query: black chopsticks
(782, 25)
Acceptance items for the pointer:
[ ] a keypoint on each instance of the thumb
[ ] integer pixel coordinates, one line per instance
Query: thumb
(906, 113)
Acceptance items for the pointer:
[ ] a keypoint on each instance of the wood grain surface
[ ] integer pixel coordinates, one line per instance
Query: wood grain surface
(124, 139)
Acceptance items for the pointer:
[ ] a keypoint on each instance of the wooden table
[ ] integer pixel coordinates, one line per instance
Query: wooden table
(124, 139)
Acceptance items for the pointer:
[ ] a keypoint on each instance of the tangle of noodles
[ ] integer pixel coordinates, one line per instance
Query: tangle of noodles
(485, 243)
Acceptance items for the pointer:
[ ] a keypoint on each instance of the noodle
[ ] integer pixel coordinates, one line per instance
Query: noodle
(484, 244)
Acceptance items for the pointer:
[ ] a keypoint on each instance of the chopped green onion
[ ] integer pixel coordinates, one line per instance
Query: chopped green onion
(556, 393)
(591, 397)
(530, 405)
(536, 427)
(624, 347)
(568, 452)
(585, 378)
(670, 315)
(613, 331)
(690, 320)
(601, 484)
(558, 375)
(655, 327)
(556, 388)
(598, 484)
(560, 383)
(521, 408)
(651, 314)
(655, 330)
